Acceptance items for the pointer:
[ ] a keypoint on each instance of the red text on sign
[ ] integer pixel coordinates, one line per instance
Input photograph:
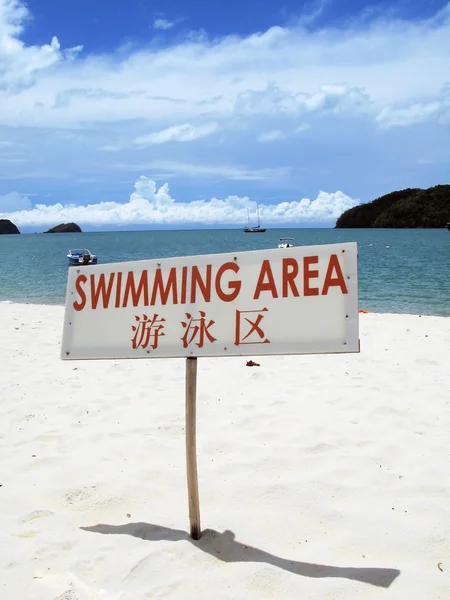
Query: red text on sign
(182, 285)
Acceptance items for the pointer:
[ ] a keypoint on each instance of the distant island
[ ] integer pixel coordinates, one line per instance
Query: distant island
(409, 208)
(7, 227)
(65, 228)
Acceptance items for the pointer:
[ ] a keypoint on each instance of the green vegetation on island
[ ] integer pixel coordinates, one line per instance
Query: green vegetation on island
(410, 208)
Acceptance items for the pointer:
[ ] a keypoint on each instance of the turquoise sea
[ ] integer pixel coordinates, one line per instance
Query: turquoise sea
(400, 270)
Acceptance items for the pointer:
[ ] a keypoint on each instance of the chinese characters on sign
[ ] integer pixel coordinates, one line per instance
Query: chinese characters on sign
(197, 331)
(254, 333)
(303, 301)
(148, 330)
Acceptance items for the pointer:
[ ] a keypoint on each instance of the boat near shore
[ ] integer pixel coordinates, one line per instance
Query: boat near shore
(286, 242)
(81, 257)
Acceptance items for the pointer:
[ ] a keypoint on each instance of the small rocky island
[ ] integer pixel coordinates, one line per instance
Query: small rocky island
(409, 208)
(7, 227)
(65, 228)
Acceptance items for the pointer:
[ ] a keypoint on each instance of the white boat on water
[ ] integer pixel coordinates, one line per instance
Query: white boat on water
(286, 242)
(81, 257)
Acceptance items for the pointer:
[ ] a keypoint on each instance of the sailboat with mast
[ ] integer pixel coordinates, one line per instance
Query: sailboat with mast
(254, 228)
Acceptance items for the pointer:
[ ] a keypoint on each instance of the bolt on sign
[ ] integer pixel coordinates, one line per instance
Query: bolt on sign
(300, 300)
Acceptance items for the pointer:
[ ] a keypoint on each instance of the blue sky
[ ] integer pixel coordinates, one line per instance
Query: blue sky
(119, 113)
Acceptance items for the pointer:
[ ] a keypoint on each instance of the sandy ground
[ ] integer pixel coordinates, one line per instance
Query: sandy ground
(321, 477)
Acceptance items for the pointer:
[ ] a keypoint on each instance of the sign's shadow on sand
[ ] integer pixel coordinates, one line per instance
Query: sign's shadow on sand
(224, 547)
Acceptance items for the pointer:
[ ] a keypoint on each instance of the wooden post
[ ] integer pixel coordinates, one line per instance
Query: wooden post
(191, 447)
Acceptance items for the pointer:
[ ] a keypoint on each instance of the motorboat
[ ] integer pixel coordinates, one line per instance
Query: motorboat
(81, 257)
(286, 242)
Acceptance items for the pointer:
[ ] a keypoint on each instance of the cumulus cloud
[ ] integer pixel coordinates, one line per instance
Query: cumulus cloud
(354, 85)
(153, 206)
(430, 110)
(337, 98)
(285, 70)
(20, 64)
(14, 202)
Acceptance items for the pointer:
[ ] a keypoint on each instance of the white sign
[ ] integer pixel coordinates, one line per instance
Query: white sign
(300, 300)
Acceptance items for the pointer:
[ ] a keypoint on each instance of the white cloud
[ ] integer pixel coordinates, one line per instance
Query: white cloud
(349, 88)
(163, 24)
(311, 13)
(185, 132)
(272, 136)
(435, 109)
(275, 135)
(275, 100)
(167, 168)
(177, 133)
(150, 205)
(284, 70)
(13, 202)
(20, 65)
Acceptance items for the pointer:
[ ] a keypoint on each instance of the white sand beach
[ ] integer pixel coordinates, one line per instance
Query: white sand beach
(320, 477)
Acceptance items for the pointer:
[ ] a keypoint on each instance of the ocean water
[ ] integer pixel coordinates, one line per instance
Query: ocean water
(400, 270)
